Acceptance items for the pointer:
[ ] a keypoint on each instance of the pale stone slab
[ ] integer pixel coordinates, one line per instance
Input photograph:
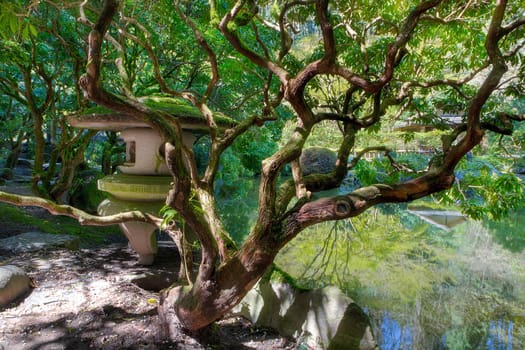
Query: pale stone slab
(33, 241)
(14, 283)
(319, 318)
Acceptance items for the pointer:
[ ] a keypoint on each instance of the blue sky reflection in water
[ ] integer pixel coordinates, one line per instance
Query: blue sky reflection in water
(394, 336)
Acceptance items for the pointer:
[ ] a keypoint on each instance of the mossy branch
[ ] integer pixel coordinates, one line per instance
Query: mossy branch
(81, 216)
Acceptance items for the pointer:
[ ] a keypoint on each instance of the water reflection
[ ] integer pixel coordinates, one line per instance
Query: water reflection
(423, 287)
(500, 335)
(393, 335)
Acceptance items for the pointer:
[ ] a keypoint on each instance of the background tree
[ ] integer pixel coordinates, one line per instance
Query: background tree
(41, 60)
(353, 64)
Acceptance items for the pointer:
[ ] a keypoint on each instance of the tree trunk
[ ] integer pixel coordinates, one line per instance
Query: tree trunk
(65, 180)
(40, 144)
(71, 159)
(38, 135)
(12, 158)
(196, 307)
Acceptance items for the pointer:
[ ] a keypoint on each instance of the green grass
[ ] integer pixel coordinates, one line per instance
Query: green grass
(10, 214)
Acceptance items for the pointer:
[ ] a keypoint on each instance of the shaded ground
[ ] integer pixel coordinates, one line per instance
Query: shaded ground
(87, 299)
(91, 299)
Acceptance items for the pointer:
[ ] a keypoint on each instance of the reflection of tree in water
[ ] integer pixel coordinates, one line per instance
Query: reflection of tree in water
(510, 233)
(328, 262)
(466, 286)
(423, 288)
(474, 308)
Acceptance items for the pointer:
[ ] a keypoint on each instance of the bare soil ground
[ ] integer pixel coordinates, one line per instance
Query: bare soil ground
(99, 298)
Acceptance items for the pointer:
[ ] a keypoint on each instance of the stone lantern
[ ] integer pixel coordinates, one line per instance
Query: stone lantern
(143, 181)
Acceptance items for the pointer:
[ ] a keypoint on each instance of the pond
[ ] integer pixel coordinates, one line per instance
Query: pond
(423, 287)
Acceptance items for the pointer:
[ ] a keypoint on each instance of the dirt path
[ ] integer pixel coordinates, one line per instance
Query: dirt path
(87, 299)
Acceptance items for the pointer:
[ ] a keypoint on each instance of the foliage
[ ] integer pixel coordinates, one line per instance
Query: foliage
(360, 255)
(481, 191)
(254, 146)
(509, 233)
(231, 171)
(347, 74)
(237, 208)
(83, 193)
(10, 23)
(39, 56)
(170, 216)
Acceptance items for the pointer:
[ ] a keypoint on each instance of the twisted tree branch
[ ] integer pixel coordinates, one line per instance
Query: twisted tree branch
(81, 216)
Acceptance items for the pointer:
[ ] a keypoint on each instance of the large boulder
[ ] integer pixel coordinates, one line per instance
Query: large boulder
(23, 168)
(14, 283)
(318, 318)
(317, 160)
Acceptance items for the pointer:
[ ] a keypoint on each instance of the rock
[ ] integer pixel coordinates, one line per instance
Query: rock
(14, 283)
(23, 169)
(319, 318)
(317, 160)
(25, 163)
(32, 241)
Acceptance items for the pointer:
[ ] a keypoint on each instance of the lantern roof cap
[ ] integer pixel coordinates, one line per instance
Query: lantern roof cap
(189, 117)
